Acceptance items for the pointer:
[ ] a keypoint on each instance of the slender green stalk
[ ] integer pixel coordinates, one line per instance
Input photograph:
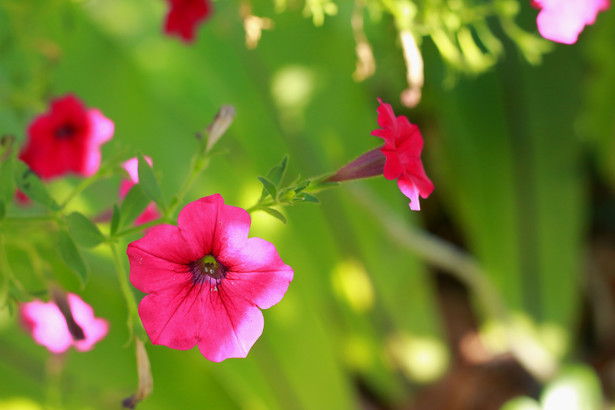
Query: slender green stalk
(133, 312)
(199, 163)
(461, 265)
(84, 184)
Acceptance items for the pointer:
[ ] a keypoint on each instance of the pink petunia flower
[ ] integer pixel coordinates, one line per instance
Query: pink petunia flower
(66, 139)
(563, 20)
(206, 280)
(184, 17)
(132, 168)
(403, 144)
(48, 326)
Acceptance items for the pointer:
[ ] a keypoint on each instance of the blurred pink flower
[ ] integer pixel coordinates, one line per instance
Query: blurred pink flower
(66, 139)
(48, 326)
(184, 17)
(403, 144)
(206, 280)
(563, 20)
(132, 168)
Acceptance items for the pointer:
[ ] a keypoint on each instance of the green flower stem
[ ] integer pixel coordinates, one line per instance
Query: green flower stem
(102, 173)
(199, 163)
(462, 266)
(140, 228)
(134, 322)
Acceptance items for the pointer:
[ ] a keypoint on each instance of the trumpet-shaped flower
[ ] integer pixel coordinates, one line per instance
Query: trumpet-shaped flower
(184, 17)
(563, 20)
(403, 144)
(49, 328)
(206, 280)
(66, 139)
(131, 166)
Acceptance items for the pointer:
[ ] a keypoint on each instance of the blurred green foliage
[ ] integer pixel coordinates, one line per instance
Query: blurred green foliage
(506, 149)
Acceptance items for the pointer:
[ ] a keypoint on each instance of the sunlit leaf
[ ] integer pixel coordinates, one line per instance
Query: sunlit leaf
(268, 187)
(149, 183)
(134, 203)
(83, 230)
(32, 186)
(71, 255)
(276, 214)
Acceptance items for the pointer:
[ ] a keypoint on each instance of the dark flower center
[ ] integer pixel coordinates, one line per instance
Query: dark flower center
(207, 270)
(65, 131)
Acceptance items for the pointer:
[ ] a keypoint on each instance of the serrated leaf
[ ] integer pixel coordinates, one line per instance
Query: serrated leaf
(149, 183)
(268, 187)
(276, 214)
(115, 219)
(31, 185)
(84, 231)
(133, 205)
(7, 180)
(304, 196)
(71, 255)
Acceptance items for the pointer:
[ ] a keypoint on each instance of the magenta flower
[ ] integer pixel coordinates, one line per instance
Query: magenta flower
(66, 139)
(563, 20)
(48, 326)
(403, 144)
(184, 17)
(206, 280)
(132, 168)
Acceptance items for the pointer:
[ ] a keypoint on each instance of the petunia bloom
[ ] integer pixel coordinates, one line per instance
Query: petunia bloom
(184, 17)
(403, 144)
(66, 139)
(48, 326)
(132, 168)
(563, 20)
(206, 280)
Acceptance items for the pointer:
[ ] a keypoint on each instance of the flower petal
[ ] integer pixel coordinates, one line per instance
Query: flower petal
(231, 329)
(213, 228)
(258, 274)
(159, 259)
(173, 316)
(93, 328)
(409, 189)
(47, 325)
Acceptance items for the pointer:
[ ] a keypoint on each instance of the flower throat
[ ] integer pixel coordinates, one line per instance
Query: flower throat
(207, 269)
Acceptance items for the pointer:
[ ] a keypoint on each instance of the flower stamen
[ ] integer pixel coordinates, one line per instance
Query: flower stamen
(207, 269)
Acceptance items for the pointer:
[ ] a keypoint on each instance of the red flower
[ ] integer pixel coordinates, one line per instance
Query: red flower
(48, 326)
(184, 16)
(563, 20)
(132, 168)
(66, 139)
(403, 144)
(206, 280)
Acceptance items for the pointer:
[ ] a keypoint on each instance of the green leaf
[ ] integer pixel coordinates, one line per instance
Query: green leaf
(72, 256)
(308, 198)
(115, 219)
(268, 187)
(134, 203)
(85, 232)
(7, 180)
(276, 214)
(276, 174)
(149, 183)
(300, 187)
(2, 209)
(32, 186)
